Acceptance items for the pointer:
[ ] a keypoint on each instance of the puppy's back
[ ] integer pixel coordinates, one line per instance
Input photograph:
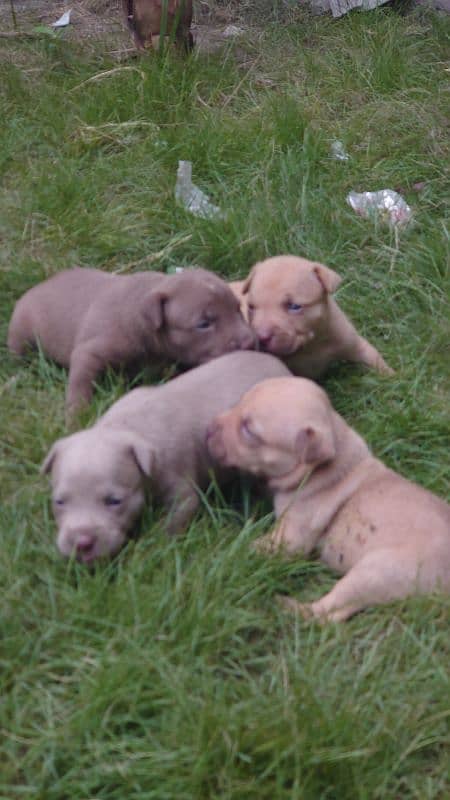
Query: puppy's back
(51, 312)
(187, 404)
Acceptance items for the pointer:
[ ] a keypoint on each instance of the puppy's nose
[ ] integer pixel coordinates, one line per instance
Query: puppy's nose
(265, 340)
(214, 440)
(85, 543)
(212, 429)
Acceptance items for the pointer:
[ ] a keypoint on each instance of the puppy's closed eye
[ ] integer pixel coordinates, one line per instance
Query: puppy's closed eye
(112, 500)
(293, 308)
(247, 433)
(59, 501)
(204, 324)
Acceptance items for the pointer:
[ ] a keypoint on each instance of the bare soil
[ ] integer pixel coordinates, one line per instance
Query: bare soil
(102, 19)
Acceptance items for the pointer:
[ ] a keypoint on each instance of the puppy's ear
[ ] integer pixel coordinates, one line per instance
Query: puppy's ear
(47, 464)
(154, 308)
(141, 453)
(248, 279)
(329, 279)
(315, 445)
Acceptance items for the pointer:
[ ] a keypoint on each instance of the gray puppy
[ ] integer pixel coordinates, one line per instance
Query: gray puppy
(152, 436)
(86, 319)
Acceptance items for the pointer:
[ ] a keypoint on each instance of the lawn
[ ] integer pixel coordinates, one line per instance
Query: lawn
(172, 673)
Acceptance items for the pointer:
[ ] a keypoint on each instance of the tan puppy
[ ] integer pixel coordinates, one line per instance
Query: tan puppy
(388, 537)
(152, 436)
(290, 308)
(86, 319)
(144, 18)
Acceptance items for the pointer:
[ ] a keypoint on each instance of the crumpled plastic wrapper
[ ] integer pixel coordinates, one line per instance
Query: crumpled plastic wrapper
(338, 151)
(340, 7)
(62, 21)
(232, 30)
(190, 196)
(387, 205)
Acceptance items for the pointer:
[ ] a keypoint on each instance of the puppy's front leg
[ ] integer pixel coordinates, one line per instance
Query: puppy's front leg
(288, 536)
(365, 353)
(182, 503)
(85, 365)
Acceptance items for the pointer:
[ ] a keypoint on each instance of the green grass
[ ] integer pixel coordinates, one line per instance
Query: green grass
(172, 673)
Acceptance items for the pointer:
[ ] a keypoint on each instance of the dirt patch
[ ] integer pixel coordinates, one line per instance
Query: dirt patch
(102, 20)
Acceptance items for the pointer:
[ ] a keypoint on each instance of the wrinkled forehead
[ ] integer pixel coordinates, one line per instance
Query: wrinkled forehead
(203, 292)
(286, 279)
(279, 402)
(87, 461)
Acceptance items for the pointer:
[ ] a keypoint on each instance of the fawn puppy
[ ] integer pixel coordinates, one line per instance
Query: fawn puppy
(388, 537)
(288, 302)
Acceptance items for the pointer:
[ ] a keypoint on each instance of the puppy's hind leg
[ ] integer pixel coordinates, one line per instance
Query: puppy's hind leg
(20, 333)
(379, 577)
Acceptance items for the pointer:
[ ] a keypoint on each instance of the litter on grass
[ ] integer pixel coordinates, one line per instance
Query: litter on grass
(338, 151)
(387, 205)
(190, 196)
(232, 30)
(62, 21)
(340, 7)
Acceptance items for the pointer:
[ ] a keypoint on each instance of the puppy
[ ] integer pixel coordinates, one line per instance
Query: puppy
(144, 19)
(153, 436)
(289, 305)
(388, 537)
(86, 319)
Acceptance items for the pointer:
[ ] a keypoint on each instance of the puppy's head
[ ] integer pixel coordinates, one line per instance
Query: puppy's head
(197, 317)
(282, 429)
(287, 301)
(97, 489)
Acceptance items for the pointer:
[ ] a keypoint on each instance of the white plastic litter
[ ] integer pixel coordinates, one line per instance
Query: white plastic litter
(340, 7)
(338, 151)
(232, 30)
(190, 196)
(62, 21)
(387, 205)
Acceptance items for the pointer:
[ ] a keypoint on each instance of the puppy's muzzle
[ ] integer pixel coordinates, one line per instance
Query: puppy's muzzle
(83, 543)
(214, 441)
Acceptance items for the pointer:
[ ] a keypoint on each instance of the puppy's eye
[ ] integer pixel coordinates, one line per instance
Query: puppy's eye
(250, 308)
(204, 324)
(293, 307)
(59, 501)
(247, 433)
(110, 500)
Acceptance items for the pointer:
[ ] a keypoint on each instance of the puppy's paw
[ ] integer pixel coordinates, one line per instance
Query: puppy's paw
(267, 545)
(385, 369)
(290, 604)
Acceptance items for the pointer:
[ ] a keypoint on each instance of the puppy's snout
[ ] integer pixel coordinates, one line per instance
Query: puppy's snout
(214, 441)
(265, 340)
(212, 429)
(84, 545)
